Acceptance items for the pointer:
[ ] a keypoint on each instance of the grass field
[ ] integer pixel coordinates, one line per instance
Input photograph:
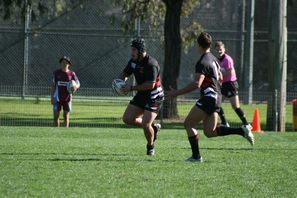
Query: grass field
(106, 113)
(92, 162)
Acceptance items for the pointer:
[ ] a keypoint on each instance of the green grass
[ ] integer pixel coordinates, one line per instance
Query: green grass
(90, 162)
(33, 113)
(104, 113)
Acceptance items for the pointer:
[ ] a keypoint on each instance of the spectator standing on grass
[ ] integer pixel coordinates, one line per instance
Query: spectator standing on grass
(60, 96)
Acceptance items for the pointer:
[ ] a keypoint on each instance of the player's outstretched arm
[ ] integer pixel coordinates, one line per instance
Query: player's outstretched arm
(187, 89)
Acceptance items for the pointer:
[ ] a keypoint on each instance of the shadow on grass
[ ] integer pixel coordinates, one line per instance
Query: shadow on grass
(103, 122)
(179, 125)
(67, 154)
(77, 157)
(96, 159)
(96, 122)
(144, 159)
(245, 149)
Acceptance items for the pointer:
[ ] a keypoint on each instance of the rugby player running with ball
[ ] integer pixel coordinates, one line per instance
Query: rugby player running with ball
(143, 108)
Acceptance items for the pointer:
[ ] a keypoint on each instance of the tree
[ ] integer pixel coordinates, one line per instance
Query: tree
(276, 112)
(166, 13)
(14, 10)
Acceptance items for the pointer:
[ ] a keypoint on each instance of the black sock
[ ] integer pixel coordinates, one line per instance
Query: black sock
(241, 115)
(223, 131)
(194, 146)
(155, 132)
(149, 147)
(222, 116)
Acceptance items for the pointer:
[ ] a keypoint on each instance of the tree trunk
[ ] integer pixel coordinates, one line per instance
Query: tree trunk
(276, 111)
(172, 54)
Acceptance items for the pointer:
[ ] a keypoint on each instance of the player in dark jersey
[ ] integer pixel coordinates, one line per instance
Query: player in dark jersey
(144, 107)
(60, 97)
(229, 85)
(207, 78)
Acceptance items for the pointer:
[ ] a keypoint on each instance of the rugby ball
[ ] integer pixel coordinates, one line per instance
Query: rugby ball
(117, 85)
(70, 85)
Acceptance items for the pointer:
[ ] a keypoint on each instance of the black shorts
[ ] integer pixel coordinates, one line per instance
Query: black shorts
(152, 102)
(208, 104)
(230, 89)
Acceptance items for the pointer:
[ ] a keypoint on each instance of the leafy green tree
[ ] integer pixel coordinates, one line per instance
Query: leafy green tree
(14, 10)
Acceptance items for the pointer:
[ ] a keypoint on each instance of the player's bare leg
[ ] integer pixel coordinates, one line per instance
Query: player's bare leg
(212, 130)
(234, 102)
(236, 106)
(195, 116)
(210, 125)
(66, 116)
(147, 121)
(132, 115)
(56, 119)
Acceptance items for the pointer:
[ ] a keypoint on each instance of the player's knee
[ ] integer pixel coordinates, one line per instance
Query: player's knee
(146, 125)
(235, 106)
(66, 115)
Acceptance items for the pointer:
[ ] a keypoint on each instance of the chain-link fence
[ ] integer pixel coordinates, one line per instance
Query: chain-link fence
(99, 51)
(93, 107)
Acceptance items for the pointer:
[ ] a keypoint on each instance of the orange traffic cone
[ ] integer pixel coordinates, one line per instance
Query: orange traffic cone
(256, 121)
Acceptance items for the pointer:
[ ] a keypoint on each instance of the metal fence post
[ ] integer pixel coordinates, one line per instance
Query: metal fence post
(242, 43)
(137, 27)
(137, 35)
(26, 50)
(249, 52)
(275, 121)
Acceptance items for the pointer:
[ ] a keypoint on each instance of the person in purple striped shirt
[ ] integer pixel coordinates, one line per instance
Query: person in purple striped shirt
(229, 84)
(60, 97)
